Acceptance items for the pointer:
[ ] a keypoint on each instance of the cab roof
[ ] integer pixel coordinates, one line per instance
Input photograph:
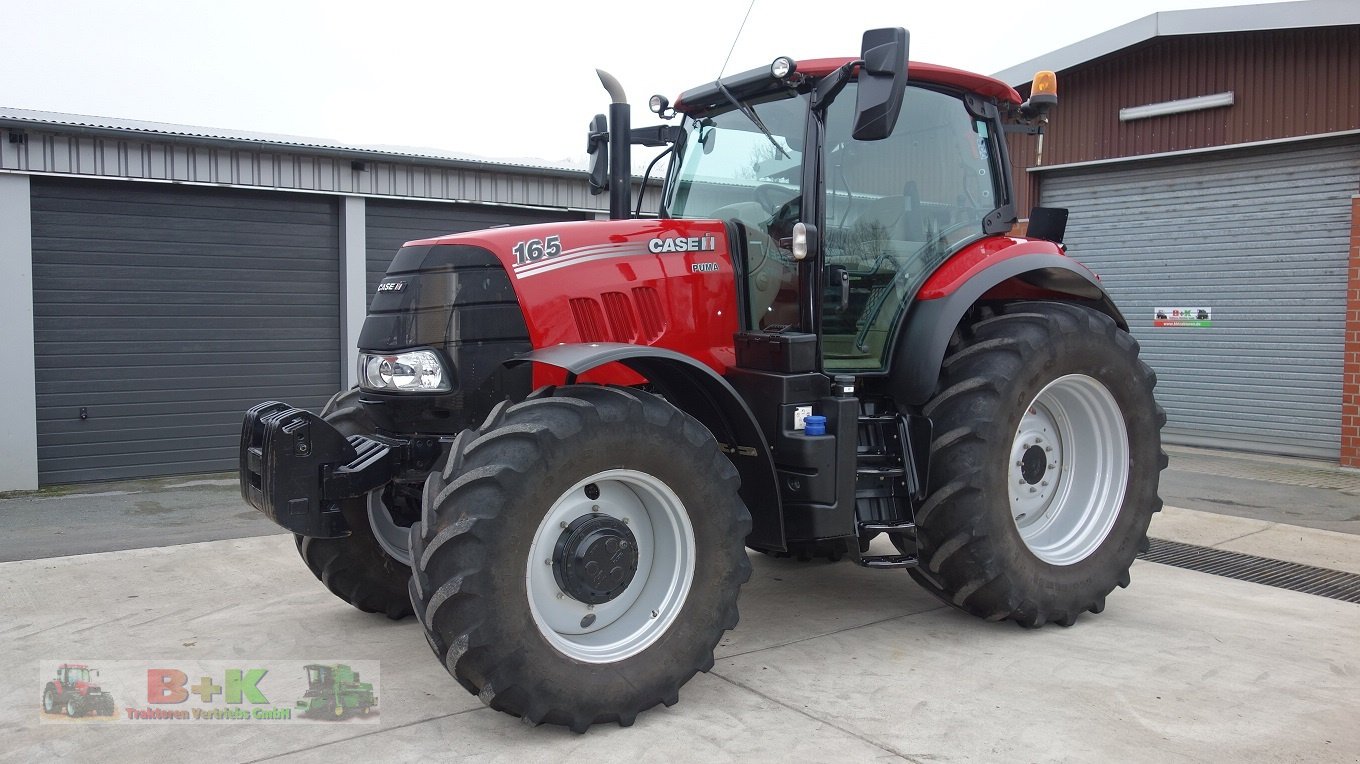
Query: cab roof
(705, 97)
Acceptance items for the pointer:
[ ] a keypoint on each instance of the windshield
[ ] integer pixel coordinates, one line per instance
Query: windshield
(726, 158)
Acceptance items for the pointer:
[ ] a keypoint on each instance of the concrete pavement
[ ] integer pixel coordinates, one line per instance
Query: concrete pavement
(129, 514)
(1302, 492)
(830, 662)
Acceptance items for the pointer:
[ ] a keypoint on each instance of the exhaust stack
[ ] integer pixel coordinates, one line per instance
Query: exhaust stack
(620, 149)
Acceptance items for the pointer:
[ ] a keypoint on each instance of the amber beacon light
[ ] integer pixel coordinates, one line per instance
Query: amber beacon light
(1044, 89)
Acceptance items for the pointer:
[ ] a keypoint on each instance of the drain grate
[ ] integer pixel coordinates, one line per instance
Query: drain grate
(1323, 582)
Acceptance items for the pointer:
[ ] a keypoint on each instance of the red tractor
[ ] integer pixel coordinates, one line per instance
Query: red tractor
(74, 693)
(566, 436)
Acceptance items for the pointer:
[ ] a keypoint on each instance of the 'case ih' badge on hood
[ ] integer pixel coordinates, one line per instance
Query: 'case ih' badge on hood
(682, 244)
(391, 286)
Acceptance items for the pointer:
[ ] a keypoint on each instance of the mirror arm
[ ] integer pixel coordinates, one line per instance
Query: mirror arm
(654, 136)
(832, 85)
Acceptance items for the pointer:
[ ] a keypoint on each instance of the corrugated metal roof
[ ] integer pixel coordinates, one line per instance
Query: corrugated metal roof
(14, 117)
(1236, 18)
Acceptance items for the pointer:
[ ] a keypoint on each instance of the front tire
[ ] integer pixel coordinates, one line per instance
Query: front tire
(579, 557)
(1044, 466)
(356, 568)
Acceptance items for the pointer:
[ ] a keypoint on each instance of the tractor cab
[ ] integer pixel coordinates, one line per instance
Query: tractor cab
(785, 164)
(72, 675)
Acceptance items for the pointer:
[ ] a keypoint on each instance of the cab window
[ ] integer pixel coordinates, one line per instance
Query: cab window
(894, 210)
(730, 169)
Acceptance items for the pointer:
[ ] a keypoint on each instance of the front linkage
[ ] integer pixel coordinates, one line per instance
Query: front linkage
(296, 468)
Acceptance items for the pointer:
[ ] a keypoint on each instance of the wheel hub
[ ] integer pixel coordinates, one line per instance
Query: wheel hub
(595, 559)
(1037, 464)
(1033, 465)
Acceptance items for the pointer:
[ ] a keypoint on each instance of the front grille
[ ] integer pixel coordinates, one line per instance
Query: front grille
(1324, 582)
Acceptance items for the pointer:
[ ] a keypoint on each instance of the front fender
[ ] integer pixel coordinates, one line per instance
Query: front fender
(921, 345)
(697, 390)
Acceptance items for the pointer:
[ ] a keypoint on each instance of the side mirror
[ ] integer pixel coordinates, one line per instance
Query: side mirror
(597, 146)
(882, 83)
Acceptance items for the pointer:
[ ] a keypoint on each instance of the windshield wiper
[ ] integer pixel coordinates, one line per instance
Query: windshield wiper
(751, 115)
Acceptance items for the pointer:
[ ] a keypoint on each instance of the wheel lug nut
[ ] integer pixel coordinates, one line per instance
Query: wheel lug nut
(562, 524)
(1032, 489)
(547, 562)
(625, 521)
(1019, 464)
(1043, 483)
(1048, 448)
(595, 508)
(1021, 481)
(560, 595)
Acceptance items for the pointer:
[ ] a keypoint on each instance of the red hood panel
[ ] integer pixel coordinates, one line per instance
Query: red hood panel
(667, 283)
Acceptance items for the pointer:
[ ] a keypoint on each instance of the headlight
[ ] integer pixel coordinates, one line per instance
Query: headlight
(415, 371)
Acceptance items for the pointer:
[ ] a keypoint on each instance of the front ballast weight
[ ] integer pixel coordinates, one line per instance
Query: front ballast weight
(296, 468)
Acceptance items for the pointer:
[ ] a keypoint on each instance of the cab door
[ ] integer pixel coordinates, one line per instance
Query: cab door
(892, 210)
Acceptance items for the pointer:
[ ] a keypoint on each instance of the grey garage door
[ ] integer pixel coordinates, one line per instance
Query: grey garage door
(163, 312)
(1259, 237)
(391, 224)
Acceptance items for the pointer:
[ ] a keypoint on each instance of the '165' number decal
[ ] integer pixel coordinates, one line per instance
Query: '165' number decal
(533, 250)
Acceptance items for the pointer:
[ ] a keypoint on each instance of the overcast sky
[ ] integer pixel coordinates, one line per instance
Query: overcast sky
(505, 79)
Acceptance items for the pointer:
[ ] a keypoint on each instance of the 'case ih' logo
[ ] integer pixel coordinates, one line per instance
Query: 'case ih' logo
(391, 286)
(682, 244)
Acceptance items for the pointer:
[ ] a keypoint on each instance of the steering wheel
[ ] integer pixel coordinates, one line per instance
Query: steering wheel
(772, 196)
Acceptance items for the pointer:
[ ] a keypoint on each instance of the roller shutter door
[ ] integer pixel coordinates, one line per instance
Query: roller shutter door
(163, 312)
(392, 224)
(1260, 237)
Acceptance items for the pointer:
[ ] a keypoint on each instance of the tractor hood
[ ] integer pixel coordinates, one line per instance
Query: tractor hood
(481, 298)
(667, 283)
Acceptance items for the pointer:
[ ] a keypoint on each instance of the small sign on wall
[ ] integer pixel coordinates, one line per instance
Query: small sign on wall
(1197, 317)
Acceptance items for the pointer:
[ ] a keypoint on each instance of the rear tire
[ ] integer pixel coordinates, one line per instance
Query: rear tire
(1033, 405)
(356, 568)
(50, 700)
(498, 528)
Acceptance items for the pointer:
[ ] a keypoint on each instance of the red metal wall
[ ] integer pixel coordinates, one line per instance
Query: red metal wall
(1287, 83)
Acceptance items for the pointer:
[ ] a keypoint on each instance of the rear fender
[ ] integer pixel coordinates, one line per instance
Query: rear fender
(929, 324)
(698, 391)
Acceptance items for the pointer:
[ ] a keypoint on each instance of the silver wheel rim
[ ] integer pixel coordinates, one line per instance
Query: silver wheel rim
(393, 538)
(642, 612)
(49, 702)
(1066, 506)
